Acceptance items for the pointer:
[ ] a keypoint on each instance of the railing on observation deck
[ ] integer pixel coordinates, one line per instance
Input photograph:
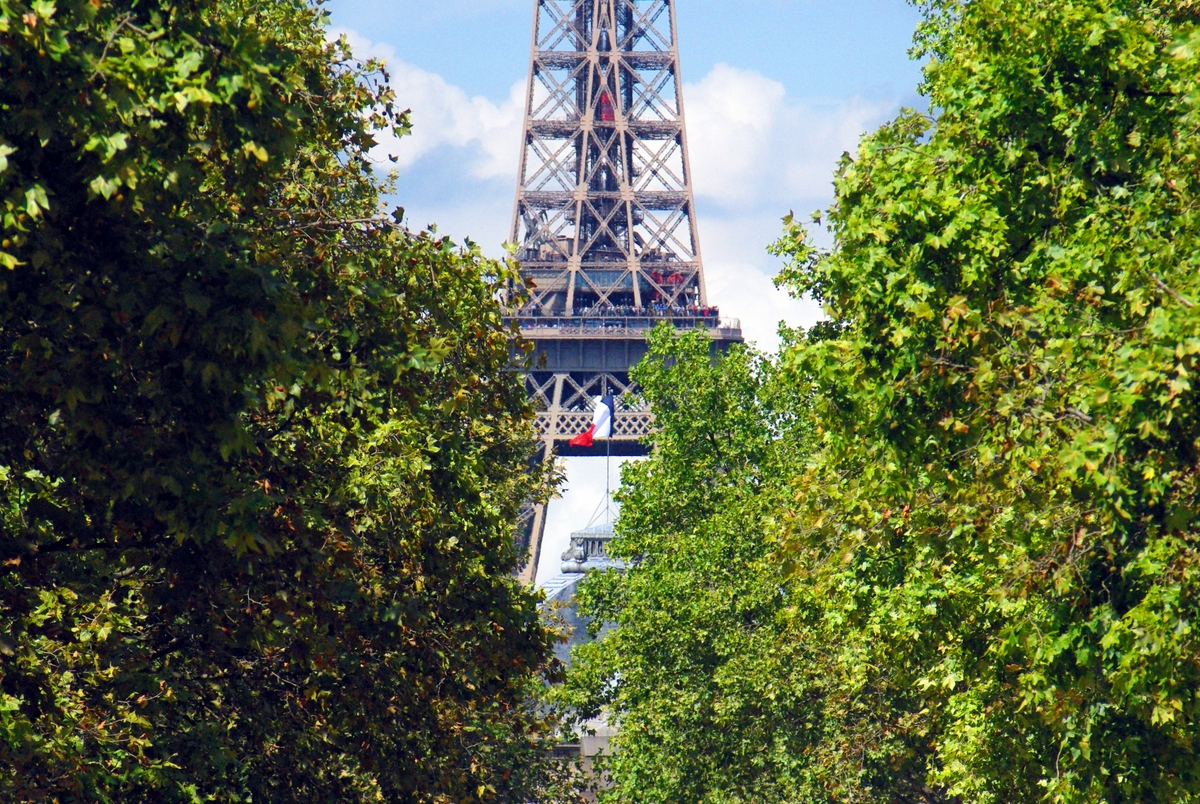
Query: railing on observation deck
(628, 425)
(621, 326)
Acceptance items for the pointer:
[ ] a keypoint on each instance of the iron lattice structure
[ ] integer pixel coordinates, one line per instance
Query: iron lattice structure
(604, 219)
(604, 211)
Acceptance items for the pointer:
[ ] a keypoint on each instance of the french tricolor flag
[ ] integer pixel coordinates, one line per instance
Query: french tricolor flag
(601, 423)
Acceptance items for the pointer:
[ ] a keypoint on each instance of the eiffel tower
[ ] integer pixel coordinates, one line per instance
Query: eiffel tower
(604, 221)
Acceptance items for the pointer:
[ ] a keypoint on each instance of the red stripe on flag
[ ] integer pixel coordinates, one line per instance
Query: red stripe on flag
(584, 439)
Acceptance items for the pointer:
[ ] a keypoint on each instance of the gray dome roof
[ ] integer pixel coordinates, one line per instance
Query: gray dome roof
(596, 531)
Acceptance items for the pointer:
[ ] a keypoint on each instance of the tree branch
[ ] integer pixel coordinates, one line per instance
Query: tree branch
(1168, 289)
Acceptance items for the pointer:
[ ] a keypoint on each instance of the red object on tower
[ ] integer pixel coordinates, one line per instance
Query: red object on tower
(607, 115)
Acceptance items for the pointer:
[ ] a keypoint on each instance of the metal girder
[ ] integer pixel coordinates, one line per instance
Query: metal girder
(604, 220)
(605, 179)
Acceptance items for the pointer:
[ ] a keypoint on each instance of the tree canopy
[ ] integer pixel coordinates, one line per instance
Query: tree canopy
(261, 448)
(705, 698)
(990, 533)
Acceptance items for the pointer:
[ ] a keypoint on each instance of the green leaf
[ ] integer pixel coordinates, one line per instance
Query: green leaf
(253, 149)
(36, 201)
(104, 187)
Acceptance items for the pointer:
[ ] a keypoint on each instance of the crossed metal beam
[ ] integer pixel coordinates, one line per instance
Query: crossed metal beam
(604, 211)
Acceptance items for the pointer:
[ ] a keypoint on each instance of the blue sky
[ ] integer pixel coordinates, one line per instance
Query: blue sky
(776, 91)
(818, 48)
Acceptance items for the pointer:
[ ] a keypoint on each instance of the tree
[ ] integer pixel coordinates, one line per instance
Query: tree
(693, 675)
(261, 449)
(1001, 518)
(991, 530)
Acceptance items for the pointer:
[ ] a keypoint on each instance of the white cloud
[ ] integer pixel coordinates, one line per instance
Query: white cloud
(739, 274)
(756, 152)
(752, 145)
(444, 115)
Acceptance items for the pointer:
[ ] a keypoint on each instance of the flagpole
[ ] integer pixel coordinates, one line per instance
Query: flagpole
(612, 431)
(608, 475)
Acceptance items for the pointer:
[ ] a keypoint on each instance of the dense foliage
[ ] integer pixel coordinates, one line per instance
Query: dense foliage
(705, 697)
(993, 539)
(260, 448)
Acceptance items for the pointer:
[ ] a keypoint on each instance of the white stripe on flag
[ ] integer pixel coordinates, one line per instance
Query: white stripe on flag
(602, 417)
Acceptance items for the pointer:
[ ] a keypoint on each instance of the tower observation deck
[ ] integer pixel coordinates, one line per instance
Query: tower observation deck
(604, 219)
